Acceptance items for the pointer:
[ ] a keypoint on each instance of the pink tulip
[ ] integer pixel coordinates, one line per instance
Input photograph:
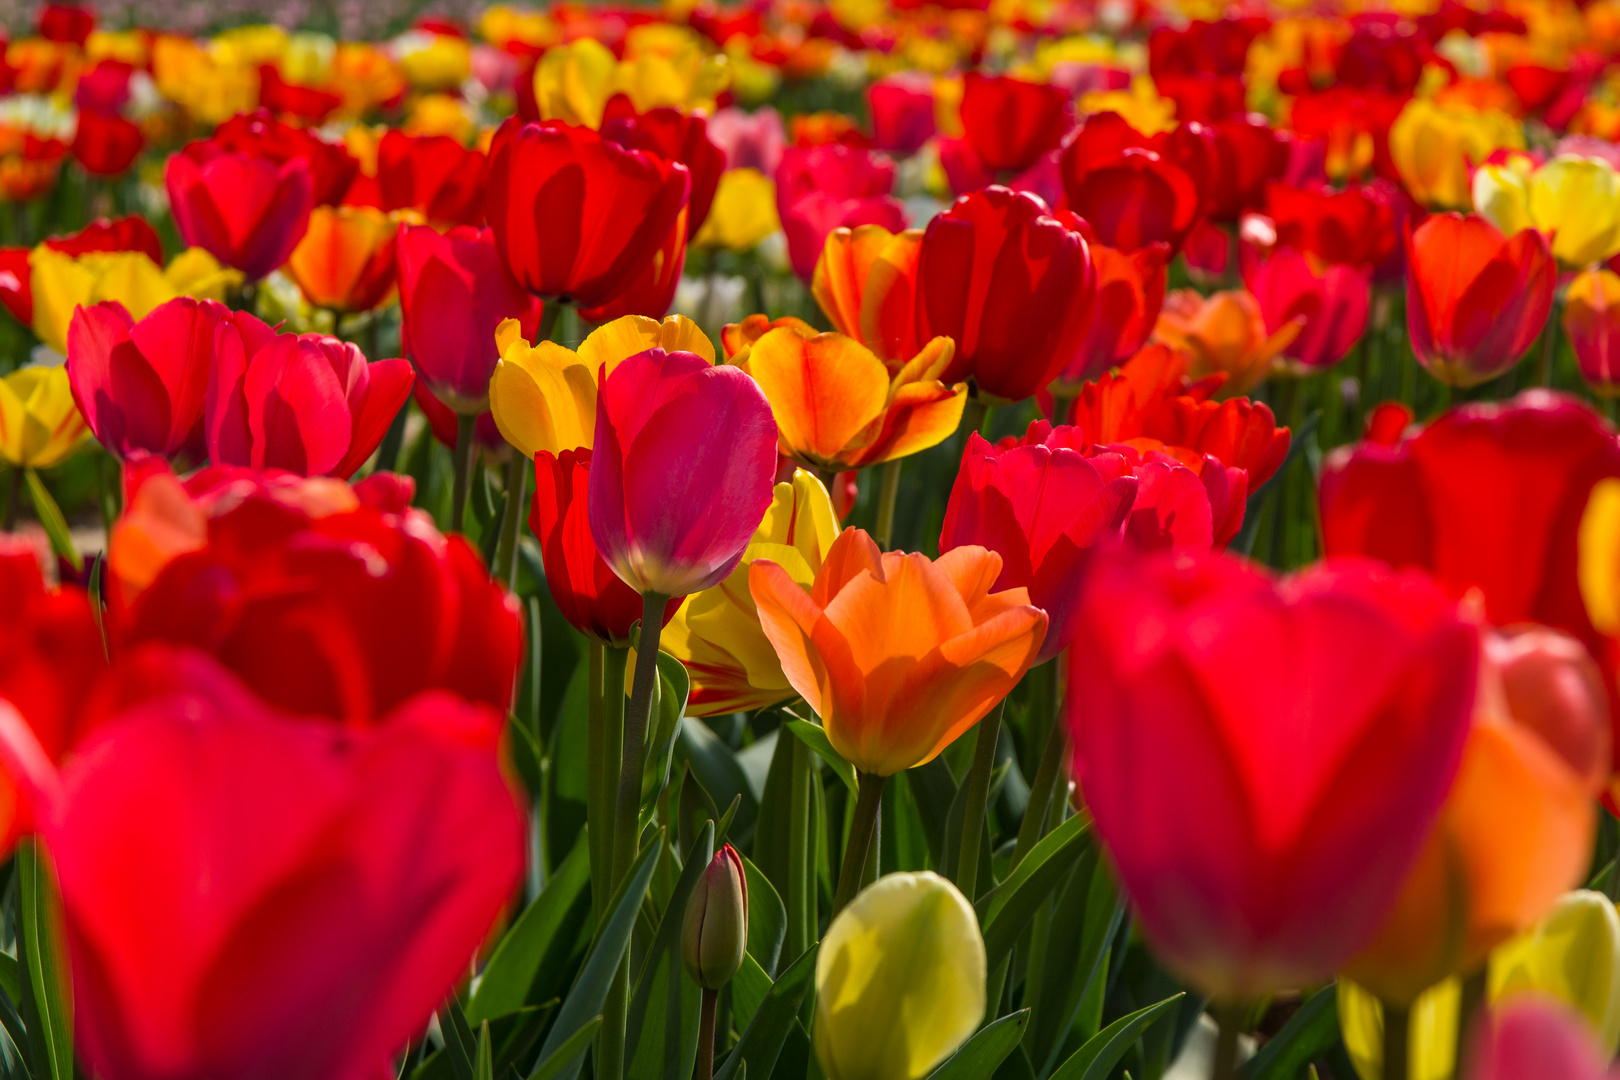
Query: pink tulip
(1535, 1038)
(751, 140)
(827, 186)
(1333, 301)
(902, 107)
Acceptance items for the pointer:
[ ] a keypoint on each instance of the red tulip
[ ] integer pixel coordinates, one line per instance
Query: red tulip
(1592, 324)
(1249, 154)
(432, 174)
(248, 212)
(307, 403)
(651, 293)
(1535, 1037)
(124, 234)
(258, 134)
(309, 104)
(675, 136)
(1263, 758)
(902, 110)
(1010, 122)
(1350, 226)
(105, 143)
(1475, 300)
(141, 385)
(587, 591)
(1132, 198)
(576, 216)
(1331, 300)
(453, 292)
(1130, 292)
(345, 611)
(1012, 284)
(67, 23)
(682, 470)
(228, 877)
(831, 186)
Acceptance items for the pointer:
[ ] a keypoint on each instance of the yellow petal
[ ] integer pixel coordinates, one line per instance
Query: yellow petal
(617, 341)
(1599, 567)
(543, 399)
(823, 392)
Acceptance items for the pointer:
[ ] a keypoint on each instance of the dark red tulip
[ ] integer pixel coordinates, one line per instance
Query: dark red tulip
(1130, 292)
(1331, 300)
(1349, 226)
(1204, 98)
(258, 134)
(125, 234)
(1012, 284)
(1249, 154)
(902, 110)
(830, 186)
(1131, 196)
(432, 174)
(675, 136)
(105, 143)
(311, 104)
(248, 212)
(68, 23)
(104, 86)
(576, 216)
(141, 386)
(1011, 122)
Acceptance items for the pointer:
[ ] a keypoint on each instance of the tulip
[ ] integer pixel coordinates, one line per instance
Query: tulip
(866, 284)
(454, 295)
(39, 424)
(717, 633)
(838, 407)
(825, 187)
(401, 843)
(66, 22)
(140, 384)
(346, 261)
(714, 931)
(1249, 154)
(433, 175)
(1531, 1039)
(105, 143)
(1133, 200)
(899, 980)
(1011, 284)
(586, 590)
(572, 82)
(895, 683)
(1353, 226)
(124, 234)
(248, 212)
(1224, 333)
(623, 204)
(744, 212)
(1329, 304)
(651, 291)
(1433, 147)
(59, 283)
(1130, 293)
(1590, 325)
(671, 515)
(1009, 122)
(902, 110)
(1574, 200)
(260, 136)
(1248, 874)
(751, 140)
(675, 136)
(1475, 300)
(307, 403)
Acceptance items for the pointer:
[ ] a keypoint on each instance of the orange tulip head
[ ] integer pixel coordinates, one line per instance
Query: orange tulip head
(866, 283)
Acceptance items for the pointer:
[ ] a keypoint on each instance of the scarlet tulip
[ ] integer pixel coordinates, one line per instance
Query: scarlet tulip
(675, 136)
(141, 385)
(1249, 154)
(454, 291)
(105, 143)
(66, 22)
(1590, 323)
(248, 212)
(347, 259)
(258, 134)
(672, 514)
(893, 680)
(307, 403)
(124, 234)
(822, 188)
(1475, 300)
(651, 291)
(587, 591)
(1132, 196)
(379, 861)
(1349, 226)
(1130, 292)
(432, 174)
(1010, 122)
(1330, 303)
(1227, 729)
(620, 205)
(902, 110)
(1012, 284)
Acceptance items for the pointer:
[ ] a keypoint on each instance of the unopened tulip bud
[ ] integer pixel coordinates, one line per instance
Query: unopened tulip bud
(715, 933)
(899, 981)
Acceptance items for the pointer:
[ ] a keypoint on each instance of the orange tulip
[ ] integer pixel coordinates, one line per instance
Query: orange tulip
(346, 260)
(866, 282)
(737, 338)
(837, 406)
(897, 655)
(1223, 332)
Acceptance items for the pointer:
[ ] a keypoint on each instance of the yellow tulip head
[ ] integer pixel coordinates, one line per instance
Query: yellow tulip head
(1577, 201)
(1433, 147)
(62, 282)
(573, 82)
(1599, 556)
(39, 423)
(743, 212)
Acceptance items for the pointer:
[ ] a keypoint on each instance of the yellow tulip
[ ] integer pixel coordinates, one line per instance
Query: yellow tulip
(716, 633)
(1434, 146)
(39, 422)
(670, 65)
(251, 46)
(1599, 568)
(743, 213)
(573, 82)
(1141, 105)
(208, 87)
(62, 282)
(899, 980)
(501, 25)
(1502, 194)
(543, 396)
(432, 61)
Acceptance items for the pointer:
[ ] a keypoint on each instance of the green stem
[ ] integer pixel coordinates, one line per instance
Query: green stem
(1397, 1041)
(550, 312)
(801, 925)
(984, 762)
(627, 809)
(607, 778)
(517, 476)
(705, 1058)
(1549, 347)
(1472, 1001)
(1032, 827)
(8, 520)
(887, 495)
(868, 801)
(1229, 1024)
(615, 1012)
(462, 465)
(596, 821)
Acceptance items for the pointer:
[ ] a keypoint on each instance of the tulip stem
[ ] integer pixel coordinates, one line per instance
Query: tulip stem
(888, 494)
(1228, 1026)
(517, 476)
(627, 811)
(801, 927)
(1397, 1040)
(1040, 791)
(462, 464)
(597, 822)
(1549, 348)
(868, 801)
(1472, 1000)
(705, 1058)
(13, 495)
(978, 793)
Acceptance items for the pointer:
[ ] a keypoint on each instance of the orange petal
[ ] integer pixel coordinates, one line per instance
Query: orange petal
(788, 615)
(841, 272)
(823, 392)
(888, 323)
(921, 415)
(852, 553)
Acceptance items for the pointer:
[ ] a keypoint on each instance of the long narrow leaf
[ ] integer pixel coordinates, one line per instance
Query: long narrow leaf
(761, 1043)
(815, 737)
(569, 1054)
(1311, 1030)
(1005, 912)
(533, 956)
(1096, 1059)
(662, 956)
(50, 517)
(459, 1045)
(981, 1055)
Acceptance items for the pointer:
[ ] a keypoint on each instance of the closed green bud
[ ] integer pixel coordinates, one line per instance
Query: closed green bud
(715, 933)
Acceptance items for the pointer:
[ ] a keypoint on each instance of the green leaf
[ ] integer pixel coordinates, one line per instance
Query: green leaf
(767, 918)
(1311, 1030)
(749, 988)
(50, 516)
(590, 989)
(536, 955)
(568, 1055)
(525, 754)
(10, 977)
(934, 790)
(761, 1042)
(1006, 910)
(47, 1000)
(12, 1022)
(981, 1055)
(484, 1066)
(1083, 924)
(1097, 1058)
(664, 723)
(664, 948)
(815, 737)
(459, 1045)
(718, 770)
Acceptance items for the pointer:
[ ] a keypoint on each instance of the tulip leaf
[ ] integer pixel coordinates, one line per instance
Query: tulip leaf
(771, 836)
(815, 737)
(459, 1045)
(981, 1055)
(569, 1054)
(1006, 910)
(484, 1066)
(1097, 1058)
(1311, 1030)
(51, 519)
(46, 998)
(538, 953)
(669, 705)
(662, 959)
(748, 989)
(10, 978)
(590, 989)
(934, 790)
(718, 770)
(526, 754)
(761, 1042)
(1244, 540)
(1083, 925)
(767, 918)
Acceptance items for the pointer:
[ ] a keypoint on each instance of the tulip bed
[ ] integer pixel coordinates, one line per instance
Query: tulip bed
(859, 540)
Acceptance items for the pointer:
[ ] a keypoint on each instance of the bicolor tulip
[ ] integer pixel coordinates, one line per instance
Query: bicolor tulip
(1574, 200)
(866, 284)
(838, 407)
(1130, 293)
(543, 396)
(717, 633)
(622, 203)
(1012, 284)
(40, 425)
(899, 980)
(433, 175)
(1011, 122)
(249, 212)
(1230, 774)
(1592, 325)
(379, 861)
(1531, 1039)
(902, 109)
(1433, 146)
(141, 384)
(1224, 333)
(895, 681)
(61, 283)
(674, 135)
(1328, 303)
(347, 259)
(830, 186)
(671, 515)
(124, 234)
(744, 212)
(307, 403)
(454, 294)
(586, 590)
(714, 928)
(1475, 300)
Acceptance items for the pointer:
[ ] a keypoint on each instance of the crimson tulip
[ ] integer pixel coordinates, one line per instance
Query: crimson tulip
(124, 234)
(309, 104)
(830, 186)
(1331, 301)
(1249, 154)
(432, 174)
(675, 136)
(307, 403)
(902, 110)
(68, 23)
(1130, 294)
(1351, 226)
(588, 593)
(1132, 196)
(453, 292)
(651, 292)
(247, 212)
(576, 216)
(1011, 122)
(1012, 283)
(258, 134)
(1475, 300)
(228, 877)
(1263, 757)
(670, 513)
(105, 143)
